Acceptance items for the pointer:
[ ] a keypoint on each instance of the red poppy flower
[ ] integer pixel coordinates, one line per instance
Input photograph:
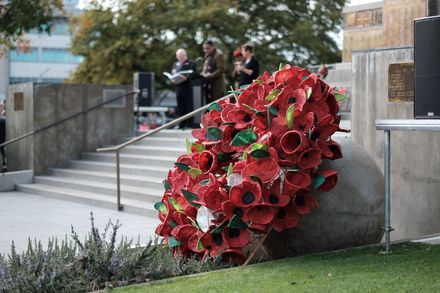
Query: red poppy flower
(236, 237)
(310, 158)
(285, 218)
(242, 117)
(290, 96)
(335, 148)
(183, 233)
(233, 256)
(266, 169)
(246, 194)
(273, 197)
(259, 228)
(208, 162)
(294, 142)
(304, 202)
(261, 214)
(193, 242)
(291, 75)
(230, 210)
(213, 198)
(295, 181)
(213, 242)
(331, 178)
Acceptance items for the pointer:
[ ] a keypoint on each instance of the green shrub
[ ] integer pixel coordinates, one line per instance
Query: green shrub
(96, 263)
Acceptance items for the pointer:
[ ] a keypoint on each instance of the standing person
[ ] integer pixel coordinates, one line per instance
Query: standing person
(213, 72)
(249, 69)
(183, 87)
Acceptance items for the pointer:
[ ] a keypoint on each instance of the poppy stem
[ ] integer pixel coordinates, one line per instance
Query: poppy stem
(260, 242)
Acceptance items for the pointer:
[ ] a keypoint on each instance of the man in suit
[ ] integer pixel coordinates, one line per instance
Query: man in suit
(213, 72)
(183, 87)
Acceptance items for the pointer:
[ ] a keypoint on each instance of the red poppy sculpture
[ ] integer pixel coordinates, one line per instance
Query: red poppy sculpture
(254, 166)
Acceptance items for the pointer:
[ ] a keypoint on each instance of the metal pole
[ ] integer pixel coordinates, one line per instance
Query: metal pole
(387, 166)
(118, 181)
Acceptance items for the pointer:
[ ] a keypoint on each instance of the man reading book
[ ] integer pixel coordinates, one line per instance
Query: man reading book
(183, 86)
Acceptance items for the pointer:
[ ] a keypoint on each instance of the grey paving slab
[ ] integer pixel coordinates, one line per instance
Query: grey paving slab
(24, 216)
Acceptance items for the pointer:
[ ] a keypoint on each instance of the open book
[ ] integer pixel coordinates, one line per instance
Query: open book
(178, 77)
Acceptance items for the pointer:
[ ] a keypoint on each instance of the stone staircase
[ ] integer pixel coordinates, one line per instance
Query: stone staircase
(92, 180)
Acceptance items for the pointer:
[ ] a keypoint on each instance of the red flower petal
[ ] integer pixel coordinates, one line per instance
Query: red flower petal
(294, 141)
(266, 169)
(331, 178)
(261, 214)
(236, 237)
(295, 181)
(245, 194)
(309, 158)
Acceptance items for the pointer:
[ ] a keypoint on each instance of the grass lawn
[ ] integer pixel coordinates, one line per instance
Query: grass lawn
(411, 267)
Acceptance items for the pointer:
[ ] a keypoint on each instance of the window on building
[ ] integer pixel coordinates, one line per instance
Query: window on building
(31, 56)
(59, 56)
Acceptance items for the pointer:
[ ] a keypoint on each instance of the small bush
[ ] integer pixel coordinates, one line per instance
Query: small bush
(96, 263)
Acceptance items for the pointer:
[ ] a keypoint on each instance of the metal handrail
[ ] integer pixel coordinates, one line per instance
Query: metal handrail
(119, 147)
(38, 130)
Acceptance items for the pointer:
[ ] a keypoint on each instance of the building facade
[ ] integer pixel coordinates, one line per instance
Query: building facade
(48, 60)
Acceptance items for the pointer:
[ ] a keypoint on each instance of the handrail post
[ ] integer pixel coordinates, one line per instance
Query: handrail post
(118, 181)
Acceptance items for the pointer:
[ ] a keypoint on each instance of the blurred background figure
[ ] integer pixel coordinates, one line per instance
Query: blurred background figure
(3, 134)
(238, 59)
(323, 71)
(213, 72)
(249, 68)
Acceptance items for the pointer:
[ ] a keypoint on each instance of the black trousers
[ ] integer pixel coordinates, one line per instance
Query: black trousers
(184, 104)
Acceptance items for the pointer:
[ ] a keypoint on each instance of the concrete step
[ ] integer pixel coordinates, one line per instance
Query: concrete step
(163, 141)
(169, 151)
(147, 195)
(140, 160)
(173, 133)
(126, 169)
(98, 200)
(110, 177)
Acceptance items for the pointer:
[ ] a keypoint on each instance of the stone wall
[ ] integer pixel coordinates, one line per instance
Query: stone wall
(415, 156)
(45, 104)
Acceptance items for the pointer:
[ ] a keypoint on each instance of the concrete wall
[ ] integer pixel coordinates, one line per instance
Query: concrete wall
(415, 156)
(48, 103)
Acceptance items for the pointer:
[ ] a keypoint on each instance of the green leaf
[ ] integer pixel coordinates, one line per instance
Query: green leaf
(194, 172)
(182, 166)
(219, 228)
(258, 154)
(290, 114)
(200, 245)
(273, 110)
(172, 224)
(214, 106)
(318, 180)
(243, 138)
(237, 223)
(161, 207)
(235, 92)
(199, 147)
(272, 95)
(250, 108)
(188, 145)
(190, 197)
(309, 93)
(244, 156)
(245, 86)
(340, 97)
(213, 133)
(230, 170)
(259, 146)
(166, 185)
(172, 242)
(258, 81)
(280, 66)
(257, 179)
(175, 204)
(204, 182)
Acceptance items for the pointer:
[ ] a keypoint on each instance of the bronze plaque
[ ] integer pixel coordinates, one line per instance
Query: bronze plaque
(18, 101)
(401, 82)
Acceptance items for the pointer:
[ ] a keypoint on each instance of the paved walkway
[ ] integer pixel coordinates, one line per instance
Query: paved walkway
(24, 215)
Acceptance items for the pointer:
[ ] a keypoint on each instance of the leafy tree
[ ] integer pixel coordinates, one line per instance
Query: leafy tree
(143, 35)
(19, 16)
